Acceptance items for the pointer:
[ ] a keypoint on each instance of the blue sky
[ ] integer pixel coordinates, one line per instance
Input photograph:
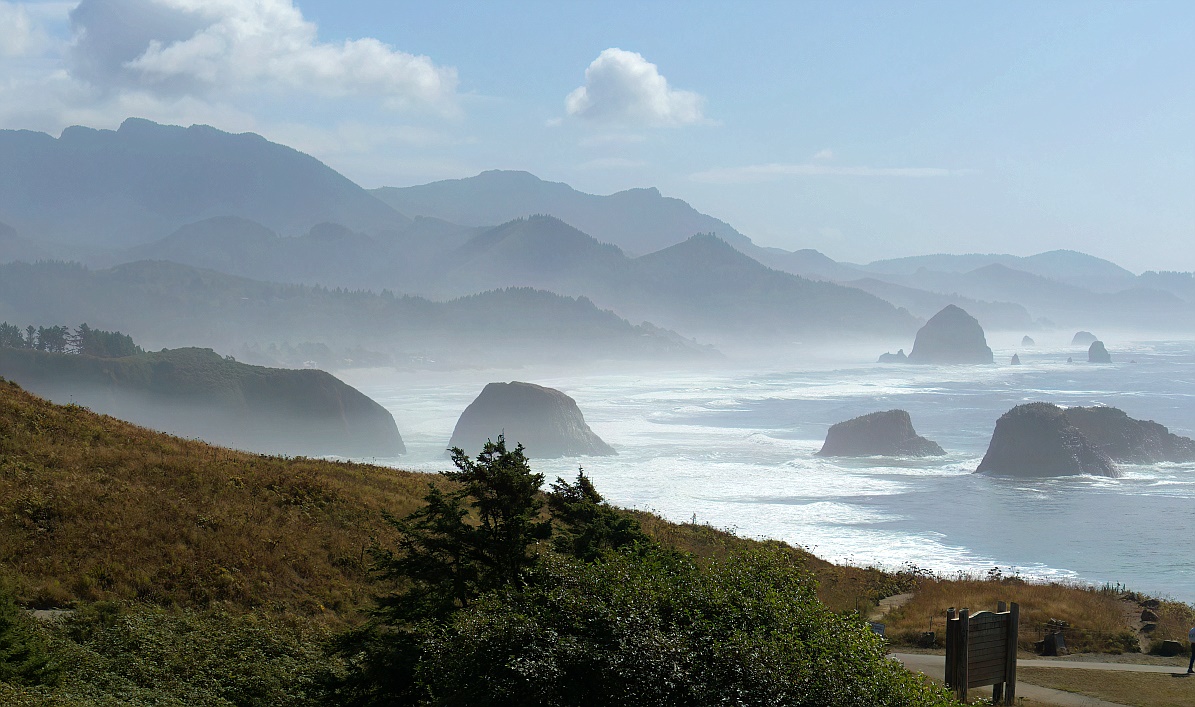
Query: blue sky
(861, 129)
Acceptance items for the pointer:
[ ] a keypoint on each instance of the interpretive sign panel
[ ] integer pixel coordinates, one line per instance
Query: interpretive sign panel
(982, 650)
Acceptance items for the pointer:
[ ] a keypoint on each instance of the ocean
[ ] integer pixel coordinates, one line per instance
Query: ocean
(734, 446)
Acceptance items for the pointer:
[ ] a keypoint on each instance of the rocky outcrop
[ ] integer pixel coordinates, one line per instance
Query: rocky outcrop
(879, 433)
(1083, 338)
(1098, 354)
(951, 336)
(1028, 341)
(1125, 439)
(1038, 440)
(1016, 360)
(545, 421)
(898, 357)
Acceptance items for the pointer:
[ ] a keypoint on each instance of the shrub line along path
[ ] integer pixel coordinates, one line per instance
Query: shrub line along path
(935, 666)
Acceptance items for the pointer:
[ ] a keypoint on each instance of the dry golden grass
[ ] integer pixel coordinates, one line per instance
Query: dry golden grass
(93, 508)
(1096, 618)
(1137, 689)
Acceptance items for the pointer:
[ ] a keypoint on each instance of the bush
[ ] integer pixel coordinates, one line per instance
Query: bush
(654, 628)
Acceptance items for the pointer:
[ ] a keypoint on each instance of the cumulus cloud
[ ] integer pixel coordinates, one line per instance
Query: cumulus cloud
(622, 86)
(20, 35)
(773, 171)
(218, 49)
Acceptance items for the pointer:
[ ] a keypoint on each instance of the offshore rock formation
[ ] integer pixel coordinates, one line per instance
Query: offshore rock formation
(1039, 440)
(1027, 340)
(544, 420)
(951, 336)
(1098, 354)
(1016, 360)
(1125, 439)
(879, 433)
(1083, 338)
(898, 357)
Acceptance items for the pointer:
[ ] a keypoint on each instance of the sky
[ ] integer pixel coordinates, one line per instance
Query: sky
(864, 130)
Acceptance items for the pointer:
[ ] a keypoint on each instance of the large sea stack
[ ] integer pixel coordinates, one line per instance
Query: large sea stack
(880, 433)
(1127, 440)
(545, 421)
(1097, 353)
(951, 336)
(1038, 440)
(1083, 338)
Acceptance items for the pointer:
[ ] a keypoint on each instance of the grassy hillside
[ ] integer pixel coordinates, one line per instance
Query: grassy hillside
(94, 508)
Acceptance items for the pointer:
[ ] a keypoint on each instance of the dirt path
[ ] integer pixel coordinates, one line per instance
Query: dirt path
(934, 666)
(887, 604)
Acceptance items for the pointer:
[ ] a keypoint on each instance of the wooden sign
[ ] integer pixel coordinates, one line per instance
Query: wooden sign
(982, 650)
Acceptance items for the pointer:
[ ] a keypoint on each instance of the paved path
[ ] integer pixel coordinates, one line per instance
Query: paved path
(935, 667)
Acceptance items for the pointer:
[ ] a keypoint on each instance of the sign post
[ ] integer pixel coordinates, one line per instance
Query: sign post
(982, 650)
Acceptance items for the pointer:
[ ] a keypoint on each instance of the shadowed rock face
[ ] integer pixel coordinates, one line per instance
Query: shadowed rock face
(1125, 439)
(1083, 338)
(888, 433)
(1098, 354)
(1037, 440)
(951, 336)
(545, 421)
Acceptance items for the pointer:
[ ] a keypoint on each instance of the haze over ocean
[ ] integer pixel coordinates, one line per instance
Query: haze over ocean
(735, 449)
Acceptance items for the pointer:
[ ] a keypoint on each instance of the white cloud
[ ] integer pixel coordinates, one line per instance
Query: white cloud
(622, 86)
(226, 49)
(826, 154)
(20, 34)
(773, 171)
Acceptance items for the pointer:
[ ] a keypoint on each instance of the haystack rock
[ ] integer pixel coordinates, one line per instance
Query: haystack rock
(1083, 338)
(1125, 439)
(1028, 341)
(898, 357)
(1016, 360)
(951, 336)
(880, 433)
(1038, 440)
(1098, 354)
(545, 421)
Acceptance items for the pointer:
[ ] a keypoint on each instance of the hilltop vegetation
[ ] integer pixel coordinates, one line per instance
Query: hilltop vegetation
(259, 556)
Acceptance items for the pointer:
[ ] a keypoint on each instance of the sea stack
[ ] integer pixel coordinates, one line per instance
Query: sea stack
(1098, 354)
(1016, 360)
(898, 357)
(1125, 439)
(880, 433)
(1026, 340)
(1038, 440)
(545, 421)
(1083, 338)
(951, 336)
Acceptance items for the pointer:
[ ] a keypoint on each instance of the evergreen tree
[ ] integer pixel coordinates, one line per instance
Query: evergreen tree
(588, 525)
(23, 657)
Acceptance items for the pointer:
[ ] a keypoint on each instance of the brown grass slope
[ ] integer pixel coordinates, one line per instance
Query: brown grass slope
(94, 508)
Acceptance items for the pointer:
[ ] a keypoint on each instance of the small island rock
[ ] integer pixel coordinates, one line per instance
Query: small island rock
(879, 433)
(1083, 338)
(1098, 354)
(545, 421)
(1038, 440)
(951, 336)
(1027, 341)
(1016, 360)
(1125, 439)
(898, 357)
